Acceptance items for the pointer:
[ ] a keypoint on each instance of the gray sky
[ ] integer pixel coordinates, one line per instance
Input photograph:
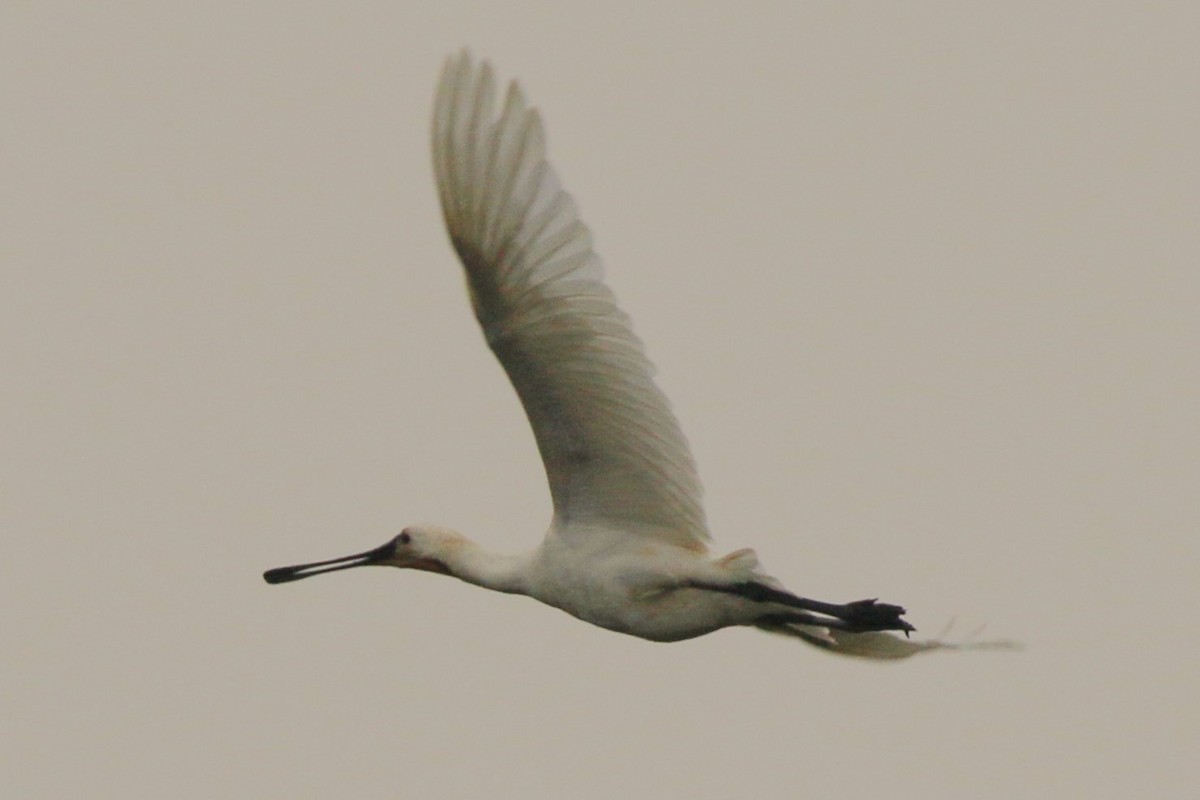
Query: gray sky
(920, 279)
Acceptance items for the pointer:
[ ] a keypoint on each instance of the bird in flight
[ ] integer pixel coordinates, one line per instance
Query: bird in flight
(627, 548)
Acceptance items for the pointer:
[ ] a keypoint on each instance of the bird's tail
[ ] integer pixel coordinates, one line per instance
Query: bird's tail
(876, 645)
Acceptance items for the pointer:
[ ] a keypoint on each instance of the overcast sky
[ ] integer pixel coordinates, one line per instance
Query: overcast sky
(921, 282)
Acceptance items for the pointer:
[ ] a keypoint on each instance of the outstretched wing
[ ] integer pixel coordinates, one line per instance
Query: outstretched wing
(613, 451)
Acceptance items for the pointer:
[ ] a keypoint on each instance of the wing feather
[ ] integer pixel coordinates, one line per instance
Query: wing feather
(613, 450)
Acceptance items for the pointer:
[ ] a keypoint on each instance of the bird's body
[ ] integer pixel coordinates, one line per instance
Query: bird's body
(618, 589)
(648, 590)
(627, 547)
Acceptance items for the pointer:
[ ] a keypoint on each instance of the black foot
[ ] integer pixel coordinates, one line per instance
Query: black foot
(871, 615)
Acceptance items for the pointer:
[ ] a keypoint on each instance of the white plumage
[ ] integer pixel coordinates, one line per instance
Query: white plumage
(627, 545)
(612, 448)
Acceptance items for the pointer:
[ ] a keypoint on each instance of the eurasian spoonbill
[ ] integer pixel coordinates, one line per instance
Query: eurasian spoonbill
(627, 547)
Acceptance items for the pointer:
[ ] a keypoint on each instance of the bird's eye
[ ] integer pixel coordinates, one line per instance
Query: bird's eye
(404, 538)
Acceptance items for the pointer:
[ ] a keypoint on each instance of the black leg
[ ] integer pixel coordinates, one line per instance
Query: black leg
(860, 616)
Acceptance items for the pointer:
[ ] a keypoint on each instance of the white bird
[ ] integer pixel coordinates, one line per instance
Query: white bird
(627, 547)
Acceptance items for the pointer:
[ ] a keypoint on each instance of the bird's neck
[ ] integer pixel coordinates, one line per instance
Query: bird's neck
(469, 562)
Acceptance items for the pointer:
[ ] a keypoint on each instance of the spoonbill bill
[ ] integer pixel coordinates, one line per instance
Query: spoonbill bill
(627, 547)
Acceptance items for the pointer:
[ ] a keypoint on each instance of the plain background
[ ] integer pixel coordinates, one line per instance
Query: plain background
(921, 281)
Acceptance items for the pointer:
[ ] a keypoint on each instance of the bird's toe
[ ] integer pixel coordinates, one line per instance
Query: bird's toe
(871, 615)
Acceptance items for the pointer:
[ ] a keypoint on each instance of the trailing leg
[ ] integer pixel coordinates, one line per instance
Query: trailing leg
(861, 616)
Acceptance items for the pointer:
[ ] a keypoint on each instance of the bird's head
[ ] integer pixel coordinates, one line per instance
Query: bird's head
(426, 547)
